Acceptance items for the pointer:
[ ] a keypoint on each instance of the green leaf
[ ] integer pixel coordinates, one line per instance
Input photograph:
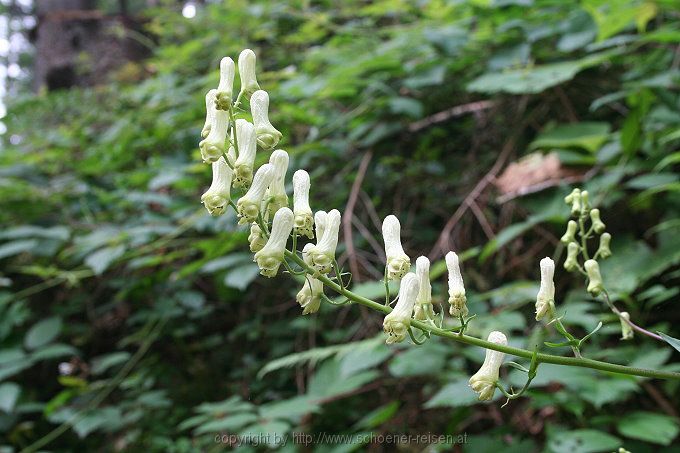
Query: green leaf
(273, 432)
(291, 409)
(53, 351)
(42, 333)
(17, 247)
(100, 260)
(589, 136)
(377, 416)
(649, 426)
(671, 341)
(582, 441)
(102, 363)
(455, 394)
(229, 424)
(9, 394)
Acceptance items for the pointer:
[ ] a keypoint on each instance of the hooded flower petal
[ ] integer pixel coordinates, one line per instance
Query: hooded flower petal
(248, 207)
(276, 197)
(226, 85)
(545, 299)
(246, 71)
(304, 219)
(398, 262)
(216, 198)
(271, 256)
(209, 112)
(267, 135)
(484, 381)
(457, 299)
(423, 307)
(322, 254)
(247, 145)
(397, 323)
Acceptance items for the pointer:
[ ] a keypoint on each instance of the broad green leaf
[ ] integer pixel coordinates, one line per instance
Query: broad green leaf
(53, 351)
(429, 358)
(102, 363)
(671, 341)
(291, 409)
(100, 260)
(582, 441)
(9, 394)
(649, 426)
(455, 394)
(227, 424)
(17, 247)
(377, 416)
(42, 333)
(589, 136)
(271, 432)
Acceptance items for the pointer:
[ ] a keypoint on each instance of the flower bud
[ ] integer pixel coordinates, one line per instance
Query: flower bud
(209, 112)
(598, 225)
(397, 322)
(246, 71)
(270, 257)
(603, 251)
(484, 381)
(545, 299)
(267, 135)
(457, 298)
(423, 309)
(595, 285)
(247, 145)
(572, 254)
(570, 235)
(255, 239)
(574, 198)
(398, 262)
(216, 198)
(248, 207)
(226, 85)
(275, 197)
(304, 220)
(214, 145)
(585, 203)
(322, 254)
(626, 329)
(309, 297)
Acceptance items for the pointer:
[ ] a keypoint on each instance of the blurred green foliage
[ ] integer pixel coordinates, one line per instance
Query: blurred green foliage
(123, 302)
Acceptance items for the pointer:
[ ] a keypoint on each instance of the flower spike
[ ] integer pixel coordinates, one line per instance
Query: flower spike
(247, 145)
(248, 207)
(398, 262)
(322, 254)
(271, 256)
(246, 71)
(276, 197)
(423, 308)
(457, 298)
(397, 322)
(484, 381)
(267, 135)
(226, 85)
(216, 198)
(304, 219)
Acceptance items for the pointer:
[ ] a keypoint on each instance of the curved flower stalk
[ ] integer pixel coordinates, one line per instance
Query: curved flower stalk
(322, 255)
(248, 207)
(304, 219)
(457, 298)
(217, 197)
(626, 329)
(209, 112)
(276, 197)
(247, 146)
(267, 135)
(309, 297)
(246, 71)
(398, 262)
(423, 308)
(484, 381)
(226, 85)
(545, 299)
(256, 239)
(595, 285)
(214, 145)
(397, 323)
(320, 218)
(271, 256)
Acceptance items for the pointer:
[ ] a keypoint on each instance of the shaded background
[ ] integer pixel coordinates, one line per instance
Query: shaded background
(124, 305)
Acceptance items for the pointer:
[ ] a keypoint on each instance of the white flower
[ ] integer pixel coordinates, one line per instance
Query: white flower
(226, 85)
(216, 198)
(484, 381)
(626, 329)
(457, 298)
(246, 71)
(322, 254)
(247, 145)
(267, 135)
(398, 262)
(209, 112)
(214, 145)
(255, 239)
(595, 285)
(545, 299)
(270, 257)
(309, 297)
(275, 197)
(248, 207)
(397, 322)
(423, 308)
(320, 218)
(304, 220)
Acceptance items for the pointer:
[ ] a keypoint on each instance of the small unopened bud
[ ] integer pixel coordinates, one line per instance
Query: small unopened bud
(423, 308)
(247, 146)
(598, 225)
(246, 71)
(545, 299)
(484, 381)
(585, 202)
(398, 262)
(571, 262)
(574, 199)
(626, 329)
(276, 197)
(595, 285)
(216, 198)
(397, 322)
(267, 135)
(570, 234)
(271, 256)
(226, 85)
(304, 219)
(255, 239)
(603, 250)
(214, 145)
(209, 112)
(248, 207)
(309, 297)
(322, 255)
(457, 298)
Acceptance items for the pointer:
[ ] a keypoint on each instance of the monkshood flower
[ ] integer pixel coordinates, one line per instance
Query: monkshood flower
(247, 145)
(545, 299)
(216, 198)
(320, 224)
(267, 135)
(423, 309)
(398, 262)
(570, 234)
(248, 207)
(256, 239)
(626, 329)
(397, 322)
(246, 71)
(209, 112)
(598, 224)
(304, 219)
(595, 285)
(484, 381)
(214, 145)
(322, 255)
(603, 250)
(572, 253)
(457, 298)
(271, 256)
(226, 85)
(276, 197)
(309, 297)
